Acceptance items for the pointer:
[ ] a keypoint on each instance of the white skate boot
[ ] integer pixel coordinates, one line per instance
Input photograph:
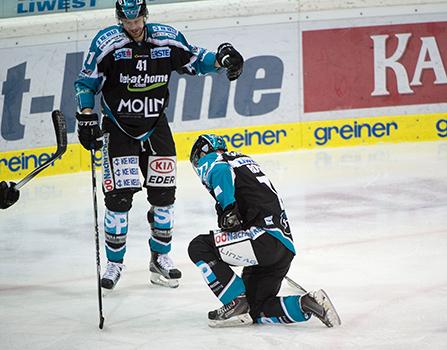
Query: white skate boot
(112, 275)
(163, 271)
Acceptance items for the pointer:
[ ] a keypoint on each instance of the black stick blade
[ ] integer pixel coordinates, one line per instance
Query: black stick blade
(60, 128)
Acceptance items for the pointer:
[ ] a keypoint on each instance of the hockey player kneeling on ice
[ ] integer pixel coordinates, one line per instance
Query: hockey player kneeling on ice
(254, 233)
(131, 64)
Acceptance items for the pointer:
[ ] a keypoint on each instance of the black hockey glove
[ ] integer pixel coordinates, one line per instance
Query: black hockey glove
(229, 219)
(229, 58)
(8, 194)
(89, 133)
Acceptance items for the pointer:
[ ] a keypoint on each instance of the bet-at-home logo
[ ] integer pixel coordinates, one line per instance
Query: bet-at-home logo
(143, 83)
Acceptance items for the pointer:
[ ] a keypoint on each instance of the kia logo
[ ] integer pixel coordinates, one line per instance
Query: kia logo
(162, 165)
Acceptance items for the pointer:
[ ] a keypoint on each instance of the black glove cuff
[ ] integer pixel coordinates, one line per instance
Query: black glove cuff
(84, 119)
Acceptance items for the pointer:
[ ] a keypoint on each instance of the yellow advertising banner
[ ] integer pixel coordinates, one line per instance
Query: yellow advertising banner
(253, 139)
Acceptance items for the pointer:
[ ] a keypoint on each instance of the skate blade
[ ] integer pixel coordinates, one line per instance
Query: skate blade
(332, 318)
(160, 280)
(236, 321)
(106, 292)
(293, 284)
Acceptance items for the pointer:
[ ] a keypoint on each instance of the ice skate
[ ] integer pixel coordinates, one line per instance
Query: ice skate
(163, 271)
(112, 275)
(318, 304)
(233, 314)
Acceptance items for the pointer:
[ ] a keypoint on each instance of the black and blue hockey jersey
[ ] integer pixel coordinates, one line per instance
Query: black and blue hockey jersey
(133, 76)
(231, 178)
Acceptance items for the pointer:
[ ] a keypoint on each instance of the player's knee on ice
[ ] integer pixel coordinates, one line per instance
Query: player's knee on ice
(194, 249)
(200, 249)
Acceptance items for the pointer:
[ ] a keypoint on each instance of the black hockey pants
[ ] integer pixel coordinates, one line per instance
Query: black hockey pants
(262, 281)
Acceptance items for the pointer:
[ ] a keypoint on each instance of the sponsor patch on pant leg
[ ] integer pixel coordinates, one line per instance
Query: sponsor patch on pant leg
(161, 171)
(107, 174)
(235, 247)
(125, 171)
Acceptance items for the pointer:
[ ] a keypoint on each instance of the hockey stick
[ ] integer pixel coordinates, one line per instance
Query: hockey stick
(60, 128)
(293, 284)
(98, 260)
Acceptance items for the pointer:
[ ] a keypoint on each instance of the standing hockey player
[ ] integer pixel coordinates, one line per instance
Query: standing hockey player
(254, 233)
(131, 64)
(8, 194)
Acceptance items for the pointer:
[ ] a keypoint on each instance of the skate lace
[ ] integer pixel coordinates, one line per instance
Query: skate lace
(165, 262)
(113, 270)
(227, 307)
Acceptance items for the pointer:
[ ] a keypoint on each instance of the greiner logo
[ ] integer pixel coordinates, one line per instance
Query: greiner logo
(324, 134)
(268, 137)
(150, 107)
(25, 162)
(441, 127)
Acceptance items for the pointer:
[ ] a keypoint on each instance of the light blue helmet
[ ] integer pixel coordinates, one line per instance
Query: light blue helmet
(130, 9)
(205, 144)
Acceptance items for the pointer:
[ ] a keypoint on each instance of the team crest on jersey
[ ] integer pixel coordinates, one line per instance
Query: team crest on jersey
(160, 52)
(123, 54)
(284, 222)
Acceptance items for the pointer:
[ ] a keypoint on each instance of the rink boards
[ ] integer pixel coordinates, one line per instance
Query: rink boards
(254, 139)
(313, 79)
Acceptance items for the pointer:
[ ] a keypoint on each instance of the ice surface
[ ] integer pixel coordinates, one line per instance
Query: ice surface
(369, 225)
